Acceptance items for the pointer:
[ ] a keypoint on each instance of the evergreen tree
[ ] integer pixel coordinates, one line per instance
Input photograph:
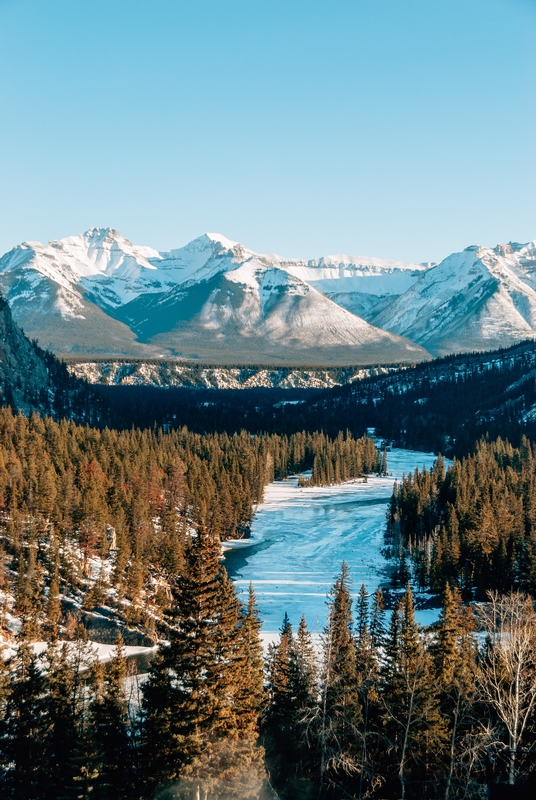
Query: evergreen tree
(53, 607)
(23, 728)
(377, 620)
(251, 691)
(108, 729)
(62, 710)
(454, 662)
(191, 719)
(277, 726)
(340, 708)
(304, 686)
(368, 675)
(412, 723)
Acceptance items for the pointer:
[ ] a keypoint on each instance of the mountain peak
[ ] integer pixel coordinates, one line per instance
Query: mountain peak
(104, 234)
(219, 238)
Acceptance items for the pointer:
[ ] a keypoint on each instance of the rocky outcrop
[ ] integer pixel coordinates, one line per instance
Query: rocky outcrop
(168, 374)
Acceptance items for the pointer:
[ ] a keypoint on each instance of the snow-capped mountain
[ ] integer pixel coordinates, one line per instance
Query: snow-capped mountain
(363, 286)
(247, 304)
(65, 293)
(99, 294)
(478, 299)
(214, 299)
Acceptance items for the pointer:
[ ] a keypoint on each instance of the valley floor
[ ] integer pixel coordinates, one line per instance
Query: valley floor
(300, 536)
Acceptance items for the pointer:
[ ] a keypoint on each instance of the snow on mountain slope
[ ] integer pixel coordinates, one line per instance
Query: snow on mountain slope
(108, 268)
(360, 284)
(97, 293)
(357, 273)
(255, 308)
(474, 300)
(110, 271)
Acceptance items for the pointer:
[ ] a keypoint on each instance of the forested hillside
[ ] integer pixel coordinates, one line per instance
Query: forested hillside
(106, 518)
(473, 526)
(445, 405)
(390, 712)
(114, 533)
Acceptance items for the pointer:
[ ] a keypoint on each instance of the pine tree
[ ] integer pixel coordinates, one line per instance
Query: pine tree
(72, 772)
(191, 719)
(303, 672)
(340, 707)
(23, 728)
(377, 620)
(62, 710)
(368, 676)
(454, 660)
(108, 729)
(304, 688)
(53, 607)
(412, 722)
(277, 726)
(251, 691)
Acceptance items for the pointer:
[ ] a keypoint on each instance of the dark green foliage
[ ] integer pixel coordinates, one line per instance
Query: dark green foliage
(444, 405)
(109, 732)
(341, 711)
(194, 702)
(291, 712)
(413, 726)
(23, 728)
(473, 526)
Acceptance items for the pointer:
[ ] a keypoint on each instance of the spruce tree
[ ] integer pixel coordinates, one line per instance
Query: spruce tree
(277, 723)
(454, 656)
(368, 675)
(412, 722)
(108, 729)
(62, 709)
(304, 687)
(23, 729)
(251, 690)
(340, 707)
(190, 701)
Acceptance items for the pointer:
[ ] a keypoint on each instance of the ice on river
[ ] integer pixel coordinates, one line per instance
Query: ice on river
(300, 536)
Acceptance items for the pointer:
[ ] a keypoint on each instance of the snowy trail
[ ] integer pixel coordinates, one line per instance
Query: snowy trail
(300, 537)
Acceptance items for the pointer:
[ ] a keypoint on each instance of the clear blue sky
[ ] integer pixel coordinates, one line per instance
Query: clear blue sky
(396, 128)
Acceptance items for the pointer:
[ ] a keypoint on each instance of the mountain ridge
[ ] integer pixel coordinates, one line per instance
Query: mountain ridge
(211, 299)
(97, 294)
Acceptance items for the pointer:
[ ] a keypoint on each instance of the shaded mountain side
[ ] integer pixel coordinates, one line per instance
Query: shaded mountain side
(211, 300)
(32, 379)
(259, 314)
(479, 299)
(67, 321)
(215, 300)
(444, 405)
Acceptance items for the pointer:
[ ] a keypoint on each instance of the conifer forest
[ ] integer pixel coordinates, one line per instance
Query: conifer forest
(102, 517)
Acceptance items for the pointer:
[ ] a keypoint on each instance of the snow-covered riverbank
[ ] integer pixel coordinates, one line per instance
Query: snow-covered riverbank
(300, 536)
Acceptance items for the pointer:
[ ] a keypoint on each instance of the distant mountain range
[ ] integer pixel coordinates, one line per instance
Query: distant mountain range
(215, 301)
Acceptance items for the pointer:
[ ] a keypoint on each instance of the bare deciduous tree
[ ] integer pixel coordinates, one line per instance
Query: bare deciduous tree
(507, 674)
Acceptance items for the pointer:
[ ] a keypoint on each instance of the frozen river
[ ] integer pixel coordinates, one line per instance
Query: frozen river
(300, 537)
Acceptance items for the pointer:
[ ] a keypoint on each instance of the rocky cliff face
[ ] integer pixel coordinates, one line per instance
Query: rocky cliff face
(170, 374)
